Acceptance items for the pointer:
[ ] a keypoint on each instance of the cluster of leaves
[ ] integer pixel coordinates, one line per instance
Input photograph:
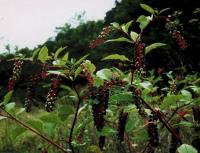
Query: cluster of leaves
(135, 107)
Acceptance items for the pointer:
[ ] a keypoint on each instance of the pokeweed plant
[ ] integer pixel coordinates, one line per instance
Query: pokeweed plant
(129, 110)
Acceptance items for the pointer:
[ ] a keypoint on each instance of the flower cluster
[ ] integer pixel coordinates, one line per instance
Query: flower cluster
(180, 40)
(173, 88)
(52, 94)
(153, 131)
(16, 74)
(139, 61)
(99, 110)
(121, 125)
(174, 143)
(101, 38)
(88, 77)
(30, 91)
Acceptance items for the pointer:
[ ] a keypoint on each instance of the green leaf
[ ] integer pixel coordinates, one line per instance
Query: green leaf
(81, 60)
(36, 124)
(58, 52)
(105, 74)
(7, 97)
(107, 131)
(115, 25)
(64, 59)
(144, 21)
(43, 54)
(185, 148)
(65, 111)
(35, 53)
(17, 131)
(10, 107)
(121, 97)
(49, 128)
(134, 36)
(126, 26)
(184, 124)
(116, 57)
(121, 39)
(20, 111)
(169, 100)
(78, 71)
(147, 8)
(153, 46)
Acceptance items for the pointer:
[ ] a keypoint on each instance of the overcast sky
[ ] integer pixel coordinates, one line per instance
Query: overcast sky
(31, 22)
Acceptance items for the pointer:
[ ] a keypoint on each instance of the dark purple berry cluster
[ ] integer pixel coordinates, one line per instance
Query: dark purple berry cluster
(16, 74)
(121, 125)
(174, 143)
(101, 38)
(139, 60)
(180, 40)
(153, 131)
(52, 94)
(137, 100)
(30, 92)
(196, 113)
(99, 110)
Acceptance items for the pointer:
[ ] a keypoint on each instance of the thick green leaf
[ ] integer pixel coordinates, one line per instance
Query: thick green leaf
(7, 97)
(64, 59)
(81, 60)
(17, 131)
(35, 53)
(169, 100)
(126, 26)
(134, 36)
(36, 124)
(59, 51)
(184, 124)
(49, 128)
(121, 97)
(105, 74)
(153, 46)
(20, 111)
(121, 39)
(78, 71)
(116, 57)
(115, 25)
(185, 148)
(147, 8)
(43, 54)
(144, 21)
(10, 107)
(107, 131)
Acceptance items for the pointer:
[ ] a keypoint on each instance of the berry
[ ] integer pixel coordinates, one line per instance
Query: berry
(121, 125)
(52, 94)
(174, 143)
(153, 131)
(16, 74)
(180, 40)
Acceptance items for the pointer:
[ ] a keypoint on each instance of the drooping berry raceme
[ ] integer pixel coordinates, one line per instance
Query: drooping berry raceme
(153, 131)
(174, 142)
(52, 94)
(180, 40)
(101, 38)
(16, 74)
(30, 92)
(196, 114)
(99, 110)
(173, 88)
(121, 125)
(139, 60)
(138, 102)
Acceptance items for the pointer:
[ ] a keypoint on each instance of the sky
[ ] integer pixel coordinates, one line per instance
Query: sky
(28, 23)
